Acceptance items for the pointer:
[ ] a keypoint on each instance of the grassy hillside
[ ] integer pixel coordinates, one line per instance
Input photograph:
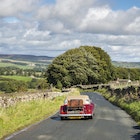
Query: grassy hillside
(126, 64)
(19, 57)
(30, 61)
(25, 61)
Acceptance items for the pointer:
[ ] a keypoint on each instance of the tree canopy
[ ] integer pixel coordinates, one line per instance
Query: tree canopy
(83, 65)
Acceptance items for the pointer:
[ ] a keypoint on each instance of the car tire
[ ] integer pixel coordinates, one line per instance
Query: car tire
(62, 118)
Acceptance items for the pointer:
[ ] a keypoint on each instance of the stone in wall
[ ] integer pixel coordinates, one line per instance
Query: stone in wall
(6, 101)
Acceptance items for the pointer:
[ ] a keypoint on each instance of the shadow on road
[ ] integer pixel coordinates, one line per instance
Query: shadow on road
(136, 136)
(56, 118)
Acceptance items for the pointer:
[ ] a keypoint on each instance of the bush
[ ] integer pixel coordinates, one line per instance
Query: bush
(13, 86)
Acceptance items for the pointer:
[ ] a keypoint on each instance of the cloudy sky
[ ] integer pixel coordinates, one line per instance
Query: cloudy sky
(51, 27)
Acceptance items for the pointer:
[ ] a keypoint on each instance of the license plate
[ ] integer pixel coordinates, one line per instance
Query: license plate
(75, 117)
(73, 112)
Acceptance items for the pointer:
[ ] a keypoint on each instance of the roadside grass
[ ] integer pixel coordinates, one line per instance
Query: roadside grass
(19, 78)
(132, 108)
(26, 113)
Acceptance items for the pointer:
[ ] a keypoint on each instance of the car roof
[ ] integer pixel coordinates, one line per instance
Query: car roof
(83, 97)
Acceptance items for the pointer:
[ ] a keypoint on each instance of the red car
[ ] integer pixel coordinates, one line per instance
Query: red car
(77, 107)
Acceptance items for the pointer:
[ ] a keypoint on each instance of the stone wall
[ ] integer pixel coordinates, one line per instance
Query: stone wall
(130, 93)
(6, 101)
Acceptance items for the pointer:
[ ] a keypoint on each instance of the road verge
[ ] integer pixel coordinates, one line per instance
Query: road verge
(23, 114)
(131, 107)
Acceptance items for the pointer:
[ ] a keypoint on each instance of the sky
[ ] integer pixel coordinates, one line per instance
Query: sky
(51, 27)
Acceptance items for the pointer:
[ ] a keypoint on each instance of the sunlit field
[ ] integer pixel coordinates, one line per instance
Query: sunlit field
(20, 78)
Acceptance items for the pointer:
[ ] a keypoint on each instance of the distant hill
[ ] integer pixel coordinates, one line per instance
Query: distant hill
(32, 58)
(126, 64)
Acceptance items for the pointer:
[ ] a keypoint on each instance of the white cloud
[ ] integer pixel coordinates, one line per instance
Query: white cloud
(14, 7)
(71, 15)
(104, 20)
(27, 26)
(34, 34)
(116, 48)
(65, 45)
(134, 27)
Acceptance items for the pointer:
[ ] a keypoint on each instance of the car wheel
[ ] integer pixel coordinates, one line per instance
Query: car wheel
(62, 118)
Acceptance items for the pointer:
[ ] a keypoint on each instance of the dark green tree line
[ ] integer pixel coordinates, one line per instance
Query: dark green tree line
(8, 85)
(128, 73)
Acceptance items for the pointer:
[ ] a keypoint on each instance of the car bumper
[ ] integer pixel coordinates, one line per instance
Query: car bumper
(75, 115)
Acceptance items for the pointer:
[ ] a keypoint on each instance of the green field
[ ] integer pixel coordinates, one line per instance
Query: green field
(15, 65)
(19, 78)
(24, 64)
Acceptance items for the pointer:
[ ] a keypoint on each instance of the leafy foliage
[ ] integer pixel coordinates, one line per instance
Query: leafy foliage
(83, 65)
(13, 86)
(127, 73)
(10, 84)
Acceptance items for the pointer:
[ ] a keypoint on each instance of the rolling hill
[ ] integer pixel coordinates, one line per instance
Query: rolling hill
(126, 64)
(46, 59)
(31, 58)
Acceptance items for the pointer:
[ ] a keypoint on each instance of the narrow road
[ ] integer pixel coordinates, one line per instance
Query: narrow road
(109, 123)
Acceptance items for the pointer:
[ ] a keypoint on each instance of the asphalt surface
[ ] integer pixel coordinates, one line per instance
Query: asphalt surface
(109, 123)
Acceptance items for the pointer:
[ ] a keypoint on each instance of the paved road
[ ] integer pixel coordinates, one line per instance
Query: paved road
(109, 123)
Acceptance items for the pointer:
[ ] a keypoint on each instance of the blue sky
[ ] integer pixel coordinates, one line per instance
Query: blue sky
(49, 27)
(124, 4)
(116, 4)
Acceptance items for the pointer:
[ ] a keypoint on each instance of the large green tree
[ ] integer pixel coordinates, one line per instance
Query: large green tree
(83, 65)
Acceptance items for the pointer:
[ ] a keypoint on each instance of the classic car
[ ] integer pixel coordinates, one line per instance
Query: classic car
(77, 107)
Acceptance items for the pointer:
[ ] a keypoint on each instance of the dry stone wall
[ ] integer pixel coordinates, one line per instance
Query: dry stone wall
(6, 101)
(130, 93)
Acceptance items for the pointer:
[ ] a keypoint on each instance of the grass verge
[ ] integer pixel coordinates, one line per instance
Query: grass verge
(132, 108)
(23, 114)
